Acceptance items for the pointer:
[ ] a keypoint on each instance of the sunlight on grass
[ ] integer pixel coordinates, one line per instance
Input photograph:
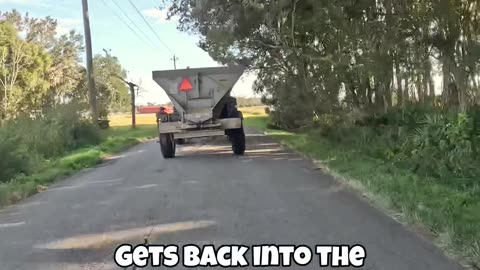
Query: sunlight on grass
(450, 216)
(114, 140)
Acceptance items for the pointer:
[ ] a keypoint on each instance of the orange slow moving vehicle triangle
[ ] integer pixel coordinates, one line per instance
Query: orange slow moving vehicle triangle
(185, 85)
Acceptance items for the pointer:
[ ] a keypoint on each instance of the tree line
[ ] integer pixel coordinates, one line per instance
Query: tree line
(41, 69)
(396, 81)
(366, 56)
(375, 88)
(44, 97)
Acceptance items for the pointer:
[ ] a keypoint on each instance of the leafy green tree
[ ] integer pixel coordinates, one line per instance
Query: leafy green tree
(64, 73)
(23, 68)
(41, 31)
(340, 56)
(112, 93)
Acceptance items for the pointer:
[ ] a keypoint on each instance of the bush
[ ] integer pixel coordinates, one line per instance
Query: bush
(84, 133)
(290, 118)
(16, 158)
(26, 141)
(444, 146)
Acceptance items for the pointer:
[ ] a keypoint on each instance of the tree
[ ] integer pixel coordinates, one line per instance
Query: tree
(112, 93)
(64, 73)
(40, 69)
(23, 68)
(64, 51)
(40, 31)
(336, 56)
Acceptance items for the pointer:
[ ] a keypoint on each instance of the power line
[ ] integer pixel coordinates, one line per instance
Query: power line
(132, 21)
(123, 21)
(148, 24)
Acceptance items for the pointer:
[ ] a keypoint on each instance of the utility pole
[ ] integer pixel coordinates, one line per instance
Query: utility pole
(175, 58)
(132, 95)
(88, 47)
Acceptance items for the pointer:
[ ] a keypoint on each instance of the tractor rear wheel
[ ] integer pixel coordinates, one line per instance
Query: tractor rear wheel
(167, 145)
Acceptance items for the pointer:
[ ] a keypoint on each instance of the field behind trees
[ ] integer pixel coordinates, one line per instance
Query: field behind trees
(385, 92)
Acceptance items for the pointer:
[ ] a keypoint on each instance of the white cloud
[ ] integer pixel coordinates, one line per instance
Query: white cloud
(159, 15)
(65, 25)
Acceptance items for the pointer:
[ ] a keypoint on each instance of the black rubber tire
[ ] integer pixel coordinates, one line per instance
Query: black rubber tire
(167, 145)
(237, 137)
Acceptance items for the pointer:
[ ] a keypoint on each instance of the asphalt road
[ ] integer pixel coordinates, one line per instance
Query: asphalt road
(204, 196)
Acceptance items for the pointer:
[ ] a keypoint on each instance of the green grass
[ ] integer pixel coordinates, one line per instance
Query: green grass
(114, 140)
(450, 216)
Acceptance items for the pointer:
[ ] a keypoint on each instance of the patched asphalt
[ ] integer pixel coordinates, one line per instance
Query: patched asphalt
(204, 196)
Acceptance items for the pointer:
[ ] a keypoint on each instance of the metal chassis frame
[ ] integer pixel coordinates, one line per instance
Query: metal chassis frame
(185, 131)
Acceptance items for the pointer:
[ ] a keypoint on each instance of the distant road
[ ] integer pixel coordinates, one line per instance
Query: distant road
(206, 195)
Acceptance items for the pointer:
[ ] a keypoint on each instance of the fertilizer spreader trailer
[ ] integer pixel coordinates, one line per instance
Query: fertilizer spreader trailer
(203, 107)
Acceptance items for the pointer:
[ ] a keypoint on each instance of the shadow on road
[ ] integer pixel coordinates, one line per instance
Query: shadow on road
(258, 147)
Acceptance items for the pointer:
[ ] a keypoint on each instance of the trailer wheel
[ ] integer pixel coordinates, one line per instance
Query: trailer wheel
(167, 145)
(237, 137)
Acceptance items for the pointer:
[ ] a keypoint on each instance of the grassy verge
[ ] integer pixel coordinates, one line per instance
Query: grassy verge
(451, 217)
(114, 140)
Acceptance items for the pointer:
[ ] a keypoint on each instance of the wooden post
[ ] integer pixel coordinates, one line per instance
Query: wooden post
(132, 93)
(88, 47)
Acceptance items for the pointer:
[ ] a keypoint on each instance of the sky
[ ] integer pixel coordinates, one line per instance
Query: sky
(139, 57)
